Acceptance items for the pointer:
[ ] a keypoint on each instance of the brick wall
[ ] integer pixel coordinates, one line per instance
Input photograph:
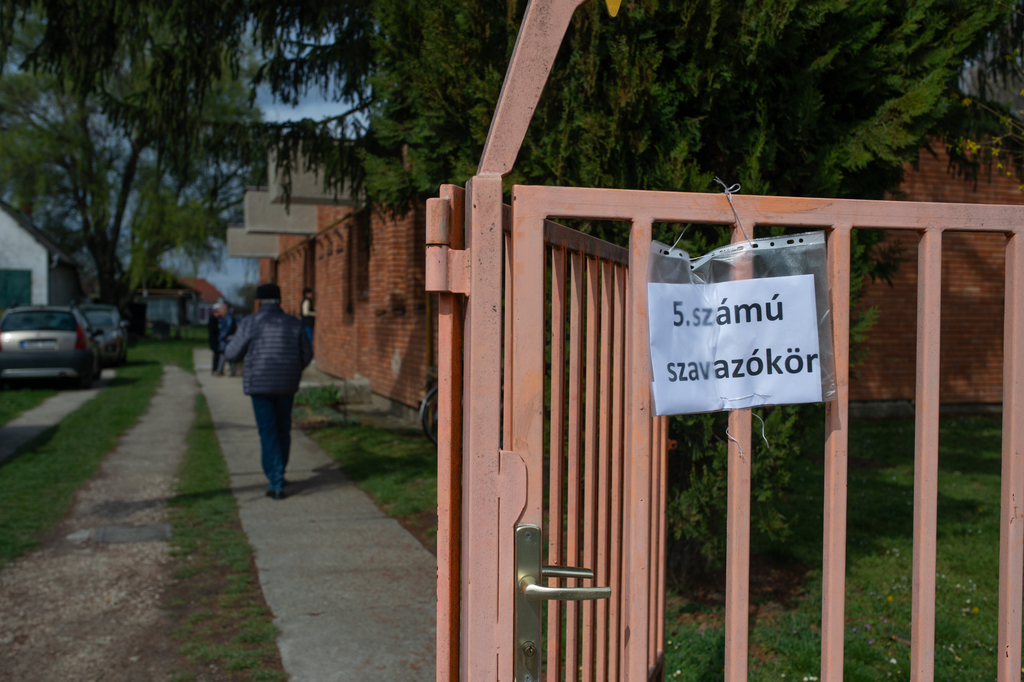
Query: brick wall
(367, 272)
(972, 299)
(293, 272)
(268, 270)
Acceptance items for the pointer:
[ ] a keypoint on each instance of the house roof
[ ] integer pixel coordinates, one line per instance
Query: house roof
(27, 225)
(207, 292)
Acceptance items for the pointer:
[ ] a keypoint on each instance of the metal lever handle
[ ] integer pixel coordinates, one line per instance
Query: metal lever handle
(534, 592)
(566, 572)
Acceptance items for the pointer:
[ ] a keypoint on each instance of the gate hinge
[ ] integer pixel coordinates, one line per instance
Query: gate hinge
(447, 270)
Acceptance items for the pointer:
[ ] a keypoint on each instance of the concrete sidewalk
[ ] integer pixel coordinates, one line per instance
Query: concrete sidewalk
(352, 592)
(30, 423)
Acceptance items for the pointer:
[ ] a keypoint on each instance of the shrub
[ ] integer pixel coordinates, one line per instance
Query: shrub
(698, 492)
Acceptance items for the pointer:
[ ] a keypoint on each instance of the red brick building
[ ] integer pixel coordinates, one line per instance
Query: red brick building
(366, 271)
(972, 299)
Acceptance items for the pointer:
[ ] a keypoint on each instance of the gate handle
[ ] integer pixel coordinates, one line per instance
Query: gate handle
(566, 572)
(534, 592)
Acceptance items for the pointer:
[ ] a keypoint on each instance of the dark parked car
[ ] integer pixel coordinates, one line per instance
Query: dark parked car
(114, 341)
(48, 342)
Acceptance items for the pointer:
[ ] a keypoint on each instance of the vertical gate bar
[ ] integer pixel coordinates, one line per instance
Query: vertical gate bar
(573, 471)
(590, 461)
(652, 545)
(663, 455)
(617, 443)
(1011, 523)
(449, 456)
(836, 436)
(524, 360)
(926, 457)
(737, 556)
(637, 465)
(737, 542)
(557, 455)
(482, 636)
(603, 471)
(507, 326)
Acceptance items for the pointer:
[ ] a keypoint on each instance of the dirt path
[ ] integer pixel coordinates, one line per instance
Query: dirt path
(86, 605)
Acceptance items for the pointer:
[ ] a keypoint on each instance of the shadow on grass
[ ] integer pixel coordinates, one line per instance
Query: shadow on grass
(51, 384)
(36, 443)
(370, 456)
(123, 381)
(398, 468)
(880, 486)
(44, 438)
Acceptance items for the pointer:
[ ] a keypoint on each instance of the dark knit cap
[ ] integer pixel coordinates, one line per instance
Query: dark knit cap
(268, 291)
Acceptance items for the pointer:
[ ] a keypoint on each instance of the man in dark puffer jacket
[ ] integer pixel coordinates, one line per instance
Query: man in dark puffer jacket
(276, 350)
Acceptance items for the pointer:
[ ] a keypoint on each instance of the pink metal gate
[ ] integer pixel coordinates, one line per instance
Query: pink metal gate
(497, 271)
(533, 205)
(575, 287)
(608, 331)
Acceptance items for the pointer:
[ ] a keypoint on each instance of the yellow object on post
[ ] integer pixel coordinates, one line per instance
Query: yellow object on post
(613, 6)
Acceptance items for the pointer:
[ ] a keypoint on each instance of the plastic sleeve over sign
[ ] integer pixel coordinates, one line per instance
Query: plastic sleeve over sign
(789, 255)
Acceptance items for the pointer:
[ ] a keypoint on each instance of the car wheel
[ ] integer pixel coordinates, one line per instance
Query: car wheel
(85, 381)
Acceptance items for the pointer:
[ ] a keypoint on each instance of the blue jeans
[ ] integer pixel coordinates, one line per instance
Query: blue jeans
(309, 335)
(274, 421)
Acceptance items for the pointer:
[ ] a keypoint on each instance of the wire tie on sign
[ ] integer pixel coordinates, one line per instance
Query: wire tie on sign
(679, 237)
(744, 397)
(729, 191)
(763, 436)
(729, 436)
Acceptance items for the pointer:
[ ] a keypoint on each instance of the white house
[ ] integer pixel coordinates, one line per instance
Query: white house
(33, 271)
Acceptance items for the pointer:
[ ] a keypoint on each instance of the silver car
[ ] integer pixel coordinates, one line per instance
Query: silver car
(113, 342)
(48, 342)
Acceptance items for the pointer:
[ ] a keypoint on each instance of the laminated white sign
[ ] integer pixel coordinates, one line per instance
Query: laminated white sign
(731, 345)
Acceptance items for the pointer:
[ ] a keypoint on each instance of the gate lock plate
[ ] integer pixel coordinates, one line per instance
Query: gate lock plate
(530, 592)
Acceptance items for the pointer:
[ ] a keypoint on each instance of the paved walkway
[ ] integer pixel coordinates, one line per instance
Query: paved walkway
(351, 590)
(30, 423)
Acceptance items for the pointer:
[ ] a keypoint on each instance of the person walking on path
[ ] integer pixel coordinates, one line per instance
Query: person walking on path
(308, 313)
(213, 334)
(226, 331)
(276, 350)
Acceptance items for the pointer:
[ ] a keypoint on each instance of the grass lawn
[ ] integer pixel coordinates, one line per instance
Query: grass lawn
(16, 399)
(397, 468)
(785, 638)
(221, 618)
(38, 484)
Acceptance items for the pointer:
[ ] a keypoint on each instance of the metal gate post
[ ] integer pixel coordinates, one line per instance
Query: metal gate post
(540, 36)
(637, 467)
(481, 638)
(737, 520)
(926, 457)
(445, 230)
(1011, 523)
(833, 603)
